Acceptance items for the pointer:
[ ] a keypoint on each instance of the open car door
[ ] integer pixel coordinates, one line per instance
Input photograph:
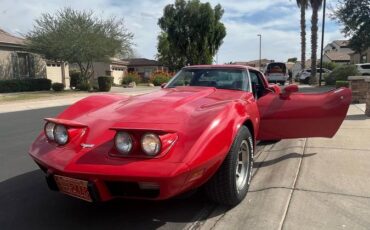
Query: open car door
(296, 115)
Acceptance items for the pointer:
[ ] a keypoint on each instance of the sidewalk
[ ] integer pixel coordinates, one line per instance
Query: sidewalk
(39, 103)
(313, 183)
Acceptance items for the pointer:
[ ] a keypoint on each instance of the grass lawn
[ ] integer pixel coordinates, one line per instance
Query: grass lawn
(8, 97)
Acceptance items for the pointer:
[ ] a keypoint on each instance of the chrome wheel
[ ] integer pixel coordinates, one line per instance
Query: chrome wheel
(242, 169)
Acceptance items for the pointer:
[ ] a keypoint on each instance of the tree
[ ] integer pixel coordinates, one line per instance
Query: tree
(79, 37)
(303, 5)
(315, 5)
(354, 15)
(191, 33)
(294, 60)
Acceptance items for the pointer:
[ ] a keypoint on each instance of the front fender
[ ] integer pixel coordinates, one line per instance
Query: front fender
(89, 104)
(212, 146)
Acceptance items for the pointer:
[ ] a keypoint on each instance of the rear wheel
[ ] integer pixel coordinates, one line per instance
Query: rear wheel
(306, 80)
(230, 184)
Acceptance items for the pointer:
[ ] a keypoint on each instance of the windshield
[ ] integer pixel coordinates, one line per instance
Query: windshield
(233, 79)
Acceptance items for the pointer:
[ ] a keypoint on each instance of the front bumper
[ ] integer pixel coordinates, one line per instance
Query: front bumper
(108, 182)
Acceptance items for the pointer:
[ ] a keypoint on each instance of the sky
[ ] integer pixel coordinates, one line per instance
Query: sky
(277, 20)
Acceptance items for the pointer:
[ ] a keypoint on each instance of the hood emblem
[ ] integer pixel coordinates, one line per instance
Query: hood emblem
(83, 145)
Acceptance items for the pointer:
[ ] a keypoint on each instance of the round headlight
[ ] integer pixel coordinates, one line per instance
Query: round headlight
(123, 142)
(61, 134)
(151, 144)
(49, 130)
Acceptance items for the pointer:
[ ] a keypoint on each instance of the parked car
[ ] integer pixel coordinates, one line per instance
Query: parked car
(277, 72)
(304, 76)
(199, 130)
(363, 68)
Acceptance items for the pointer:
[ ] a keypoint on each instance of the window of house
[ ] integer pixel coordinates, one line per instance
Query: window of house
(23, 63)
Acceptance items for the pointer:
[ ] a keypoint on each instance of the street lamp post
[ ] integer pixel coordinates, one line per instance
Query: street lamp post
(260, 57)
(322, 40)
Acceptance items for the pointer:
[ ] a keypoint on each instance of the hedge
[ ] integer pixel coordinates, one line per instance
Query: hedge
(22, 85)
(341, 73)
(105, 83)
(83, 86)
(160, 77)
(56, 86)
(131, 77)
(339, 84)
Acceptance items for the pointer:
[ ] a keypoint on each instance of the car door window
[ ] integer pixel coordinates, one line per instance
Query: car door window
(257, 84)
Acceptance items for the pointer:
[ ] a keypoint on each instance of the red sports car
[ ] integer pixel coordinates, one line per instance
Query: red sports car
(199, 130)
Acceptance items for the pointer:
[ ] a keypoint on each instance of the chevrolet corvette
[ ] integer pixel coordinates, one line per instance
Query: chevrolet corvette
(199, 130)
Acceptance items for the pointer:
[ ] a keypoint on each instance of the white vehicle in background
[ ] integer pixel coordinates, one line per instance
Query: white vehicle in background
(363, 68)
(304, 76)
(277, 72)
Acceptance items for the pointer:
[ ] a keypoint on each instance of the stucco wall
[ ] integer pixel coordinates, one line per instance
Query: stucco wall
(116, 71)
(355, 58)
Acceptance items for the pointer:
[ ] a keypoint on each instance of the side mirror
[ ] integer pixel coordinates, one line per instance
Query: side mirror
(163, 85)
(289, 90)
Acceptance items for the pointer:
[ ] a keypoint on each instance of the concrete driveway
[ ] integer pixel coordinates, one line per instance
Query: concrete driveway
(312, 183)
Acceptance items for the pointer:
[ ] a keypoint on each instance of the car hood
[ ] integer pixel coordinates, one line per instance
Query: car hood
(170, 105)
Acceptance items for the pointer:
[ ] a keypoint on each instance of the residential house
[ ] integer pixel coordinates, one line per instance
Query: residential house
(338, 46)
(144, 67)
(357, 58)
(337, 51)
(16, 62)
(115, 68)
(337, 57)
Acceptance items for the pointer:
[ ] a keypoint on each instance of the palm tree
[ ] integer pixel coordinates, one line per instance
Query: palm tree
(315, 5)
(303, 5)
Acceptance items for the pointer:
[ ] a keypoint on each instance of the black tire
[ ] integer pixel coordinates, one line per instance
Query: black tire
(306, 80)
(225, 187)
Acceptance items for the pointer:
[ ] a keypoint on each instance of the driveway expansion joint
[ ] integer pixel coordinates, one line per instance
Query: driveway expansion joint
(282, 222)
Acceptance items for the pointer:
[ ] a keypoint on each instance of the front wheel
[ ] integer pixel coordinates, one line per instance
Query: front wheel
(230, 184)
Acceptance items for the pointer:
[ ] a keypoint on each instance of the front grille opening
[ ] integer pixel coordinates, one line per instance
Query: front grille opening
(131, 189)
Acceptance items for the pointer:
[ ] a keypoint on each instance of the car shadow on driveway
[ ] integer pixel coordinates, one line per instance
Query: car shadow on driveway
(267, 163)
(356, 117)
(27, 203)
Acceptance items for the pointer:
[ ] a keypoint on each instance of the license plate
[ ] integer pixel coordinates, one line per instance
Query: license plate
(73, 187)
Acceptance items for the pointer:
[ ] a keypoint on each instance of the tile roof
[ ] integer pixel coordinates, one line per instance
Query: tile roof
(342, 43)
(338, 56)
(8, 39)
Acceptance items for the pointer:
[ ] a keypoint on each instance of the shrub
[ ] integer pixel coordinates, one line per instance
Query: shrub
(56, 86)
(339, 84)
(105, 83)
(75, 79)
(21, 85)
(329, 65)
(160, 77)
(341, 73)
(84, 86)
(131, 77)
